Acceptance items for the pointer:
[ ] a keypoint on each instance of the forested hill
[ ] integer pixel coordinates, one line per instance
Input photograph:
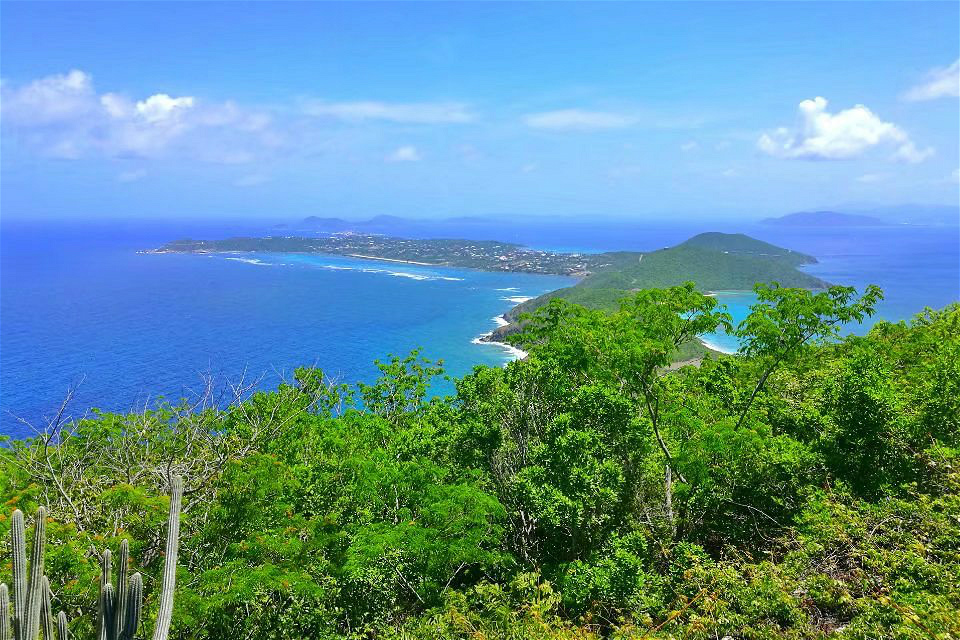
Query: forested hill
(713, 261)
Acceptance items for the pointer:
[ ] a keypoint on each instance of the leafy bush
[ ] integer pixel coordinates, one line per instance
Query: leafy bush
(808, 488)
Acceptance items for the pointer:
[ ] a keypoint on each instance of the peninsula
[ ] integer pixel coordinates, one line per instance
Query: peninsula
(714, 261)
(485, 255)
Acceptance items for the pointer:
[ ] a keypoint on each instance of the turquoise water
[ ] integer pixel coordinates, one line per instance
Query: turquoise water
(81, 305)
(130, 326)
(916, 267)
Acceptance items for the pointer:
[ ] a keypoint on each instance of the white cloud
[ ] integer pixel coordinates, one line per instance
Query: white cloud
(530, 167)
(50, 100)
(578, 119)
(413, 113)
(690, 145)
(955, 176)
(869, 178)
(162, 108)
(730, 173)
(833, 136)
(940, 83)
(63, 116)
(132, 176)
(908, 152)
(405, 153)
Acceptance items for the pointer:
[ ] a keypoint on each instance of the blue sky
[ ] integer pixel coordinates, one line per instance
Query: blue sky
(279, 110)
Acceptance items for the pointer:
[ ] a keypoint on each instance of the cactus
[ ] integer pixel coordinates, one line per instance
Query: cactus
(105, 613)
(131, 619)
(4, 613)
(118, 611)
(46, 612)
(63, 633)
(18, 539)
(162, 630)
(34, 592)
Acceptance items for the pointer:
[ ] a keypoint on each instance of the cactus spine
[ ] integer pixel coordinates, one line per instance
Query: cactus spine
(119, 611)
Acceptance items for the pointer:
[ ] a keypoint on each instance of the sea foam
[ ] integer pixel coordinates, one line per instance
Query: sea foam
(255, 261)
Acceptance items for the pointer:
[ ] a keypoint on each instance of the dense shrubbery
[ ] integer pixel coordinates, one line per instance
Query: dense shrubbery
(805, 488)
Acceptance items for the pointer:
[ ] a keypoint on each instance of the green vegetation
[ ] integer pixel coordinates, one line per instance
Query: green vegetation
(808, 488)
(714, 261)
(118, 610)
(487, 255)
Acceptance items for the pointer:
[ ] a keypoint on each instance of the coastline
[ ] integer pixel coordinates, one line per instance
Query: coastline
(483, 339)
(713, 345)
(422, 264)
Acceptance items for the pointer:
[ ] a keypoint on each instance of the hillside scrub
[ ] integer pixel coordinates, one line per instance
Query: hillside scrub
(806, 488)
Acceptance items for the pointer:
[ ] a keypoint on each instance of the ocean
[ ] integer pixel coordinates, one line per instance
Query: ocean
(80, 307)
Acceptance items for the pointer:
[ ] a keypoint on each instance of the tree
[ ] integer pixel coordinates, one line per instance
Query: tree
(785, 319)
(629, 349)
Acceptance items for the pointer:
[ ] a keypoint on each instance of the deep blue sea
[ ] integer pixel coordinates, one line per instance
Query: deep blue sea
(79, 305)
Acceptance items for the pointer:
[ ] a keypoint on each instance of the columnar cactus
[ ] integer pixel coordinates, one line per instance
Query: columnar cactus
(5, 631)
(46, 611)
(19, 551)
(118, 610)
(162, 630)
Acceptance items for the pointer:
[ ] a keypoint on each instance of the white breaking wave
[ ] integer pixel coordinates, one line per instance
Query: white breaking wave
(508, 289)
(514, 352)
(517, 299)
(389, 272)
(517, 354)
(255, 261)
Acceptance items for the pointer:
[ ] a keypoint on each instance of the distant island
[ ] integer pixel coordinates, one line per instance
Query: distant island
(485, 255)
(823, 219)
(714, 261)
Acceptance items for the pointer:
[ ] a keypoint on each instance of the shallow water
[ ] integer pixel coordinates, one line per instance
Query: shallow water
(82, 304)
(129, 326)
(916, 267)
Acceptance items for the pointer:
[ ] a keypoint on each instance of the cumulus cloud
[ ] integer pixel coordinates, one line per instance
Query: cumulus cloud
(50, 100)
(405, 153)
(412, 113)
(833, 136)
(63, 116)
(939, 83)
(578, 119)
